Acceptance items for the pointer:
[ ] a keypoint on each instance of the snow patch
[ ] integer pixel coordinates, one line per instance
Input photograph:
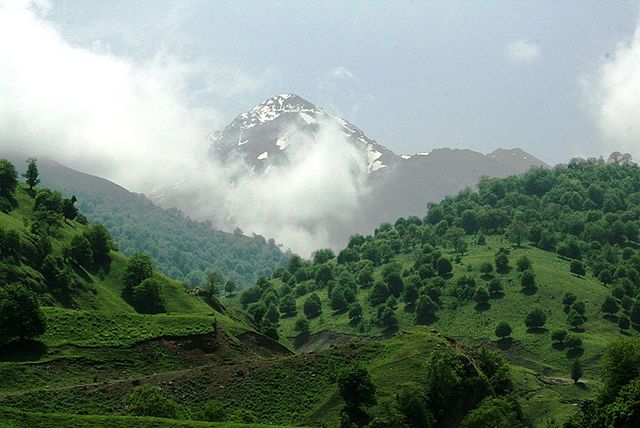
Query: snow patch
(405, 156)
(309, 119)
(283, 141)
(263, 156)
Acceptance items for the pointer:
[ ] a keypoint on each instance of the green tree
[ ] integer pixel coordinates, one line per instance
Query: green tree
(31, 175)
(302, 327)
(444, 267)
(379, 293)
(610, 305)
(502, 262)
(503, 330)
(536, 319)
(338, 301)
(273, 315)
(517, 232)
(8, 178)
(388, 318)
(79, 251)
(568, 299)
(559, 335)
(100, 241)
(576, 371)
(426, 310)
(213, 284)
(20, 313)
(69, 210)
(139, 267)
(230, 287)
(575, 319)
(147, 400)
(481, 296)
(576, 267)
(411, 289)
(288, 305)
(323, 256)
(356, 387)
(455, 236)
(523, 263)
(147, 297)
(395, 284)
(355, 312)
(495, 287)
(312, 306)
(624, 323)
(486, 269)
(528, 280)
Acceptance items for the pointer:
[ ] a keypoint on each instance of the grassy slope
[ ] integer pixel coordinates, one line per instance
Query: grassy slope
(290, 390)
(542, 371)
(17, 419)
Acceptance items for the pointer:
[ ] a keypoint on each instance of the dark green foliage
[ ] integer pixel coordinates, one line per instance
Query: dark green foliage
(146, 297)
(395, 284)
(426, 310)
(337, 299)
(379, 293)
(610, 305)
(528, 280)
(536, 319)
(288, 306)
(502, 262)
(324, 274)
(517, 232)
(568, 299)
(495, 287)
(411, 404)
(302, 327)
(444, 267)
(576, 370)
(272, 314)
(20, 314)
(624, 323)
(387, 317)
(355, 312)
(412, 286)
(575, 319)
(8, 179)
(481, 296)
(230, 287)
(213, 411)
(559, 335)
(312, 306)
(523, 263)
(323, 256)
(356, 388)
(486, 268)
(250, 295)
(79, 251)
(573, 341)
(31, 175)
(100, 241)
(147, 400)
(139, 267)
(496, 412)
(503, 329)
(57, 275)
(577, 267)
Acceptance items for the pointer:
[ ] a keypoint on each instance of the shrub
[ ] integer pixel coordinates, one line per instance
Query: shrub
(503, 329)
(147, 400)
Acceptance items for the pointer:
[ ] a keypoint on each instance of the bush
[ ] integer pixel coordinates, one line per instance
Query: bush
(444, 267)
(523, 263)
(559, 335)
(213, 411)
(577, 267)
(20, 314)
(312, 306)
(302, 327)
(147, 297)
(147, 400)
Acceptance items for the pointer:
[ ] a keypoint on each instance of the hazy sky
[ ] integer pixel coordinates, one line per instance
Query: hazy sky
(412, 75)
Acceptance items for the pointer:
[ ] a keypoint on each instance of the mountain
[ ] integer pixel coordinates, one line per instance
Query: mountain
(182, 248)
(264, 137)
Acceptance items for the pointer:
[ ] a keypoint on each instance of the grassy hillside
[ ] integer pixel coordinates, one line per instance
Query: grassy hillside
(182, 248)
(533, 239)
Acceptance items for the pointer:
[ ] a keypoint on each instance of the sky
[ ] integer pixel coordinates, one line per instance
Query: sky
(413, 75)
(130, 91)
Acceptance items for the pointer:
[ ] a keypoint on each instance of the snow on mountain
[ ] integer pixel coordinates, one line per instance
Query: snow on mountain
(262, 136)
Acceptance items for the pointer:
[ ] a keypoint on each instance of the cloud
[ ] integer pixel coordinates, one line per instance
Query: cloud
(523, 51)
(342, 73)
(143, 125)
(614, 94)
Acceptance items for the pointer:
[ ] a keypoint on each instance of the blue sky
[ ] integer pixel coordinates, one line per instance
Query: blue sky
(413, 75)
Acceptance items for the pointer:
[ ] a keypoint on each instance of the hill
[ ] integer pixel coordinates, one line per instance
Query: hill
(564, 241)
(182, 248)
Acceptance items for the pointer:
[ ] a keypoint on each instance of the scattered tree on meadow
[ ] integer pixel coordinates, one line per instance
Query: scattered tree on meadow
(481, 296)
(32, 175)
(69, 210)
(358, 391)
(576, 370)
(312, 306)
(302, 327)
(147, 297)
(20, 313)
(610, 306)
(624, 323)
(502, 262)
(536, 319)
(577, 267)
(575, 319)
(8, 178)
(79, 251)
(503, 330)
(523, 263)
(528, 280)
(559, 335)
(426, 310)
(230, 287)
(444, 267)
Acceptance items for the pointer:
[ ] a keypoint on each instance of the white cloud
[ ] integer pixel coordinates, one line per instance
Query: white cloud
(342, 73)
(523, 51)
(615, 96)
(140, 125)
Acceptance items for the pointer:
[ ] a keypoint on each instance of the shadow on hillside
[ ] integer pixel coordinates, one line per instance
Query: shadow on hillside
(410, 308)
(505, 343)
(610, 317)
(558, 346)
(481, 307)
(537, 330)
(497, 296)
(391, 330)
(23, 350)
(528, 291)
(582, 385)
(575, 352)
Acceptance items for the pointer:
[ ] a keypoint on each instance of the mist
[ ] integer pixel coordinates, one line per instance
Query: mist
(135, 123)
